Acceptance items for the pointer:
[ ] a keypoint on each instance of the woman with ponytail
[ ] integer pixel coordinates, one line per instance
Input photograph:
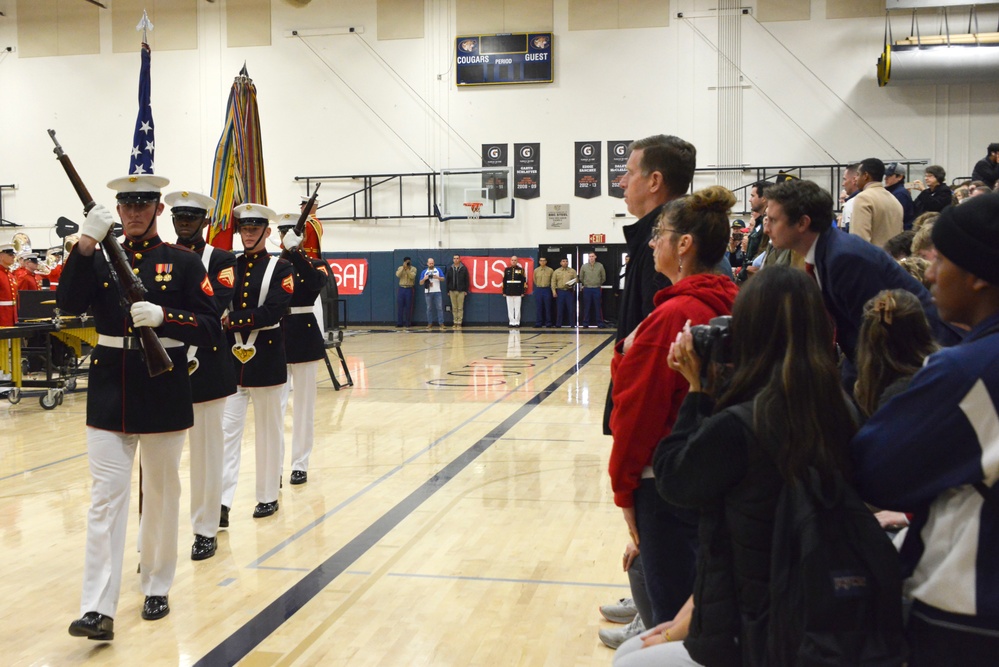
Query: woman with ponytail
(895, 339)
(688, 241)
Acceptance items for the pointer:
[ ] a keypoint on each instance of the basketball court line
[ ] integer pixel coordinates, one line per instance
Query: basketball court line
(361, 493)
(239, 644)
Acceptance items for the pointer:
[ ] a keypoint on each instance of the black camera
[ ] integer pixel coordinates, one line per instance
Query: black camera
(713, 341)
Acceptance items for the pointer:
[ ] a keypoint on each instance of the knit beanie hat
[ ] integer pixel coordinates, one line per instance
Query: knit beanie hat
(968, 235)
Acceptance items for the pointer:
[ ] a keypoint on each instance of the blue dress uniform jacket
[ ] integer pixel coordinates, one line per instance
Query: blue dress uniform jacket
(214, 376)
(303, 337)
(267, 367)
(121, 396)
(514, 280)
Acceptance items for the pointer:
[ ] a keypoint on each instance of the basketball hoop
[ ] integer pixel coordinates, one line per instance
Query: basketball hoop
(474, 207)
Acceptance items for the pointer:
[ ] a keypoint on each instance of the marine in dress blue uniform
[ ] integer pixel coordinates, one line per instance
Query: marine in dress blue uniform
(213, 377)
(126, 408)
(264, 286)
(304, 346)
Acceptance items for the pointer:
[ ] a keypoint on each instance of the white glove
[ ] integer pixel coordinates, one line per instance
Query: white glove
(291, 240)
(145, 314)
(98, 222)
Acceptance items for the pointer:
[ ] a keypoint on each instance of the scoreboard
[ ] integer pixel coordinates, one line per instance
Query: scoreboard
(508, 58)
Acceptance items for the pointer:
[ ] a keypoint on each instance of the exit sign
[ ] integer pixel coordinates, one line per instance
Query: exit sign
(598, 238)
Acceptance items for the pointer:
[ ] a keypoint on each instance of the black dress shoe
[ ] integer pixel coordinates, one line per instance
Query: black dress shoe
(93, 626)
(204, 547)
(155, 607)
(299, 477)
(224, 517)
(264, 509)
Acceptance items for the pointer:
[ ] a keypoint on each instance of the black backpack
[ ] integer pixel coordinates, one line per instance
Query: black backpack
(835, 580)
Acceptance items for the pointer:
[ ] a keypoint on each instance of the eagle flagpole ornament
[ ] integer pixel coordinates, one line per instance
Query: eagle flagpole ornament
(143, 142)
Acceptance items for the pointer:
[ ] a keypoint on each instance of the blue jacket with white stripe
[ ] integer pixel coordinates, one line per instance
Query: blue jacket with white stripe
(933, 450)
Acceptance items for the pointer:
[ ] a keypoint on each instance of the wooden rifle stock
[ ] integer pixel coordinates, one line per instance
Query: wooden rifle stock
(302, 219)
(130, 287)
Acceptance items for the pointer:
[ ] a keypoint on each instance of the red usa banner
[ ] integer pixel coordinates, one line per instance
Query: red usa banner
(486, 273)
(351, 275)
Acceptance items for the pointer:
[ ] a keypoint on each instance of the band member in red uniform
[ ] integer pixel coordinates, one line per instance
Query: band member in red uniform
(52, 277)
(264, 286)
(128, 409)
(213, 377)
(304, 347)
(8, 287)
(312, 244)
(29, 280)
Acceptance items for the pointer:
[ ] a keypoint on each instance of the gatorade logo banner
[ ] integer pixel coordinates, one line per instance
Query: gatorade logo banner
(527, 171)
(617, 160)
(587, 169)
(495, 183)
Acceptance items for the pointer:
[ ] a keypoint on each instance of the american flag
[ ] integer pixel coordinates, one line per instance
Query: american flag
(143, 144)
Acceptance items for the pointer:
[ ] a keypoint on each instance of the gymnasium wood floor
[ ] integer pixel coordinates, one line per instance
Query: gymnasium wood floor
(458, 512)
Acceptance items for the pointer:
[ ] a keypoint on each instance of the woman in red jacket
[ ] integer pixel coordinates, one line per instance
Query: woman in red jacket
(688, 241)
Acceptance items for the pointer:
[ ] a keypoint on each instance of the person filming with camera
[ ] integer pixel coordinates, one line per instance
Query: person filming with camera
(688, 241)
(779, 418)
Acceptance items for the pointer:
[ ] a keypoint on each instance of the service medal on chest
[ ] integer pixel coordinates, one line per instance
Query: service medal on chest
(163, 272)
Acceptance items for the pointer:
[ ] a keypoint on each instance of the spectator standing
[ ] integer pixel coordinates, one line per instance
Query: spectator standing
(852, 190)
(660, 169)
(877, 214)
(987, 169)
(514, 286)
(431, 280)
(456, 280)
(592, 275)
(931, 451)
(545, 300)
(406, 275)
(758, 240)
(564, 289)
(895, 184)
(935, 195)
(688, 241)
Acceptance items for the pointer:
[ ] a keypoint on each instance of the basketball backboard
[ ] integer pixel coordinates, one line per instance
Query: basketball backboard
(460, 189)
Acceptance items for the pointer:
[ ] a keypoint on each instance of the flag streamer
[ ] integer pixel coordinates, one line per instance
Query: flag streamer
(238, 170)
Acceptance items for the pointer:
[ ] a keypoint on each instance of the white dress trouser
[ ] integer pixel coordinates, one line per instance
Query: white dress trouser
(303, 428)
(206, 466)
(268, 425)
(233, 421)
(111, 455)
(513, 308)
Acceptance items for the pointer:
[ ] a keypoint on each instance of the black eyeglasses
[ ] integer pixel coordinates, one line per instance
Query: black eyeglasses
(657, 232)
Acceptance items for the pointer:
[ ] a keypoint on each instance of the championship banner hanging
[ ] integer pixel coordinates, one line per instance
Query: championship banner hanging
(527, 171)
(617, 159)
(587, 169)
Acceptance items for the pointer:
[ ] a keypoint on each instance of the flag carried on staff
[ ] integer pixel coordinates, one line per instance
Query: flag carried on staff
(143, 142)
(238, 172)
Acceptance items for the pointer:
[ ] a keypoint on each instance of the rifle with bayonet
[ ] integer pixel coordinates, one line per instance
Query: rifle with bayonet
(302, 219)
(130, 288)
